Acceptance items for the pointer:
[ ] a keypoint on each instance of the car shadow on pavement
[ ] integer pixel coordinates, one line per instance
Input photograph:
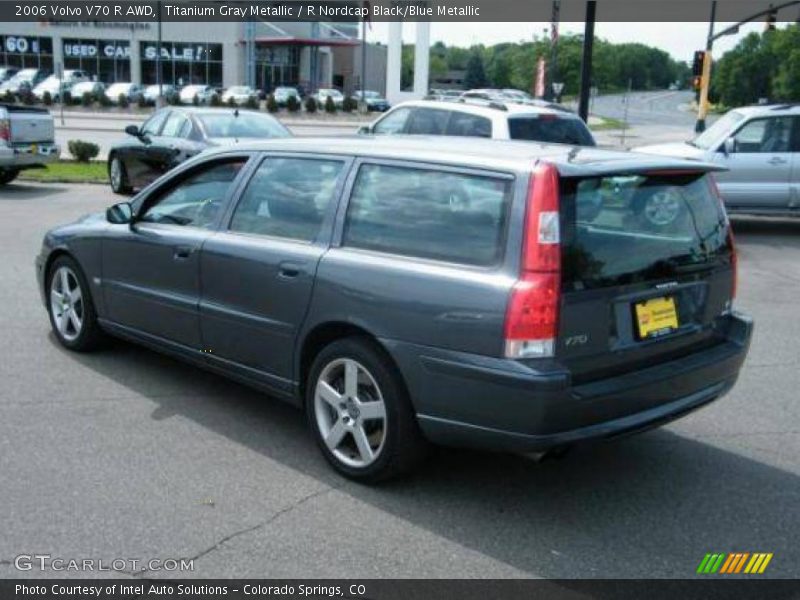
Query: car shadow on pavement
(26, 191)
(649, 506)
(766, 230)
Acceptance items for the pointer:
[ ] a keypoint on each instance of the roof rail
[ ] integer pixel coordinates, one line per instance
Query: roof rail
(786, 106)
(486, 103)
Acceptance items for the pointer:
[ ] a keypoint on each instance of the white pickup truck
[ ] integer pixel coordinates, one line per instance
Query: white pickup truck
(27, 140)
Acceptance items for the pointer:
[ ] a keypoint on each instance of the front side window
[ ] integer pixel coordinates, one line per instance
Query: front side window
(762, 136)
(177, 126)
(438, 215)
(196, 201)
(394, 122)
(287, 198)
(154, 123)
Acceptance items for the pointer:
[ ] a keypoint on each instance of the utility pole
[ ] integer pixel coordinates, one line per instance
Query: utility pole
(705, 82)
(586, 63)
(159, 78)
(553, 70)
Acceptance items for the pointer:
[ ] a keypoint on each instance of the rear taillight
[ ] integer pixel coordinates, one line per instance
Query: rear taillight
(734, 259)
(5, 130)
(532, 316)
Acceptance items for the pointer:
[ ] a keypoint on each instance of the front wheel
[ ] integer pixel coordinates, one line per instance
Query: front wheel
(360, 413)
(118, 176)
(8, 175)
(70, 306)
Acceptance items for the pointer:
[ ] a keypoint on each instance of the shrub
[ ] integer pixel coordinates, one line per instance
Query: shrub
(311, 105)
(83, 151)
(231, 102)
(105, 101)
(330, 105)
(252, 103)
(350, 104)
(196, 100)
(214, 100)
(47, 99)
(27, 97)
(141, 101)
(292, 104)
(122, 101)
(272, 104)
(66, 98)
(174, 98)
(87, 100)
(9, 97)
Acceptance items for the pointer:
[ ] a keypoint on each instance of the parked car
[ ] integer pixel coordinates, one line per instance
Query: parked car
(760, 148)
(24, 80)
(95, 88)
(484, 119)
(240, 94)
(413, 290)
(55, 85)
(375, 102)
(283, 93)
(173, 134)
(151, 92)
(131, 91)
(7, 73)
(443, 95)
(203, 94)
(322, 96)
(27, 140)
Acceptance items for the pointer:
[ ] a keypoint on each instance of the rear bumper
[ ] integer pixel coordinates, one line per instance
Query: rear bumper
(471, 401)
(28, 156)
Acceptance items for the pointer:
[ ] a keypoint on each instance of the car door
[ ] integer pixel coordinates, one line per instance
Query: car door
(760, 165)
(168, 148)
(151, 268)
(428, 121)
(794, 184)
(134, 152)
(258, 271)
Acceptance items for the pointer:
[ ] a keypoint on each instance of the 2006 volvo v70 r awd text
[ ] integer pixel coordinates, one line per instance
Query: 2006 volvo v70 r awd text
(500, 295)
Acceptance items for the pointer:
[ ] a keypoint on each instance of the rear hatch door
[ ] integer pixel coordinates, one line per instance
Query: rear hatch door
(647, 269)
(30, 125)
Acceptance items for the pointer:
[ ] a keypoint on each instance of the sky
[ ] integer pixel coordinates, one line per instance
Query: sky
(679, 39)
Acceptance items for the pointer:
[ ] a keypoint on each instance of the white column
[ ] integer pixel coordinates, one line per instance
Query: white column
(394, 62)
(422, 59)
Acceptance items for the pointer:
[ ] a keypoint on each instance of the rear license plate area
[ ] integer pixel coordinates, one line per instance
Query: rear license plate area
(655, 317)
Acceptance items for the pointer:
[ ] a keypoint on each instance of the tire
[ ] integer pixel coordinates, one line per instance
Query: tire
(72, 316)
(118, 176)
(380, 415)
(8, 175)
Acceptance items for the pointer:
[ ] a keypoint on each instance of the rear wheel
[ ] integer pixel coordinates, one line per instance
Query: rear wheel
(8, 175)
(118, 176)
(360, 413)
(72, 312)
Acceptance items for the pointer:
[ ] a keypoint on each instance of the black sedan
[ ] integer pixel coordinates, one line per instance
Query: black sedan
(174, 134)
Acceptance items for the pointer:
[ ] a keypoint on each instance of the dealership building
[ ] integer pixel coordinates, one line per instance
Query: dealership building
(311, 55)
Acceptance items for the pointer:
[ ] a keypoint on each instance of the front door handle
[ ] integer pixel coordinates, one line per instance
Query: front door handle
(183, 252)
(290, 270)
(777, 160)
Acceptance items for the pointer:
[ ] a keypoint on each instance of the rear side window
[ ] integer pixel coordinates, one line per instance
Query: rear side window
(439, 215)
(628, 229)
(550, 129)
(427, 121)
(287, 198)
(463, 124)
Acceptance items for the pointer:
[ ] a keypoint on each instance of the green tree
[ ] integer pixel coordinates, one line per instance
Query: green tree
(475, 77)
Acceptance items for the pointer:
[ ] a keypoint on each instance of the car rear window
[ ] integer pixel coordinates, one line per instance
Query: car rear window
(627, 229)
(243, 125)
(440, 215)
(551, 129)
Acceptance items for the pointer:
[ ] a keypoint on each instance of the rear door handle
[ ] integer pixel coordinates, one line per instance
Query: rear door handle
(290, 270)
(183, 252)
(777, 160)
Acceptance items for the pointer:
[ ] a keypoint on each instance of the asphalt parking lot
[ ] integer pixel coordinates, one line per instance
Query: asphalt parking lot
(128, 454)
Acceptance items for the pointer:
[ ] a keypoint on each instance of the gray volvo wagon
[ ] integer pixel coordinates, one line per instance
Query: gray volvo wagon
(499, 295)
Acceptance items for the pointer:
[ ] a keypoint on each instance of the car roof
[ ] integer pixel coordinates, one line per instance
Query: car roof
(769, 109)
(477, 153)
(490, 110)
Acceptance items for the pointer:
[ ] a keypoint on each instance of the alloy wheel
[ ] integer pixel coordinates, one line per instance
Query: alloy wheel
(66, 303)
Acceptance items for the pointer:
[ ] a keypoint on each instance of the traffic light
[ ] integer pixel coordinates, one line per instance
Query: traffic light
(697, 65)
(772, 19)
(697, 82)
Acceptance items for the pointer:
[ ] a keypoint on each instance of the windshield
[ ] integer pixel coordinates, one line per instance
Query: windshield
(246, 125)
(626, 229)
(550, 129)
(714, 134)
(25, 75)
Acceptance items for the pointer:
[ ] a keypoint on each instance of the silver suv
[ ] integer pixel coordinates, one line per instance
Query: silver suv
(485, 119)
(760, 147)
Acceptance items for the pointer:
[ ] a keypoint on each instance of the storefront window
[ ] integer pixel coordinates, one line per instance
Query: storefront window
(28, 52)
(183, 63)
(277, 65)
(109, 60)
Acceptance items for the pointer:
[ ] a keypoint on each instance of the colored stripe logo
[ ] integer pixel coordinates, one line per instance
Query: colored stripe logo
(734, 562)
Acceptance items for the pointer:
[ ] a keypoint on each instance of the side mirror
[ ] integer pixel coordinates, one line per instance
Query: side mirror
(729, 147)
(133, 130)
(364, 130)
(120, 214)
